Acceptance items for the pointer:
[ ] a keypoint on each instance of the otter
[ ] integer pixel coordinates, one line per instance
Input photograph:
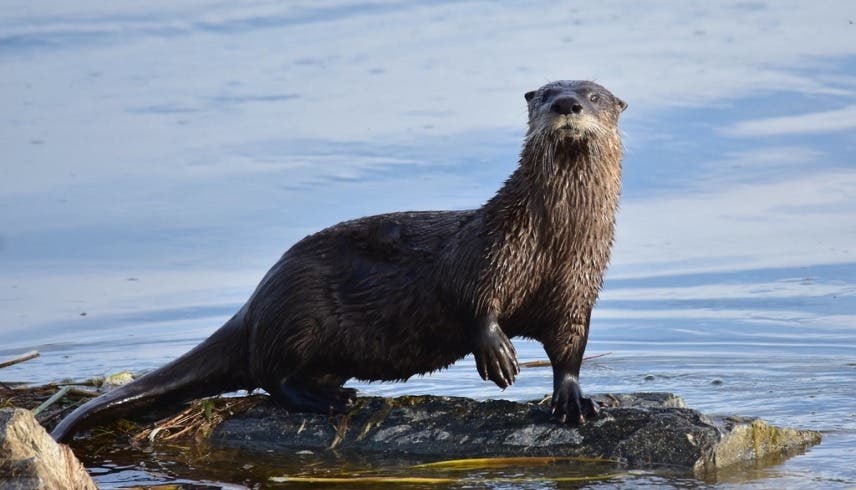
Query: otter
(386, 297)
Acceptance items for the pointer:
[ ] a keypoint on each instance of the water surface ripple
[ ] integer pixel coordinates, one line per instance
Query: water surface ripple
(159, 156)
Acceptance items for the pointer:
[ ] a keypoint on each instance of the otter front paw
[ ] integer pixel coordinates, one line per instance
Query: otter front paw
(496, 358)
(569, 405)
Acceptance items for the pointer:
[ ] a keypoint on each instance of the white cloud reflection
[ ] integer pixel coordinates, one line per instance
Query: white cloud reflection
(814, 122)
(796, 222)
(75, 79)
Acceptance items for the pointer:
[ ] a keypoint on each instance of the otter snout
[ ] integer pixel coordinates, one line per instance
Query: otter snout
(566, 105)
(573, 109)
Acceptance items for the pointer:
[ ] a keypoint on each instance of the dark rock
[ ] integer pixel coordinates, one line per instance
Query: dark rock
(640, 430)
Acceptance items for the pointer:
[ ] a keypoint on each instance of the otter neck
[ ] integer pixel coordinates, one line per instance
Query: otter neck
(561, 188)
(552, 223)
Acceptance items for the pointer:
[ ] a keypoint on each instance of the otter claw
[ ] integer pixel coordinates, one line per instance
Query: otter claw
(496, 359)
(569, 404)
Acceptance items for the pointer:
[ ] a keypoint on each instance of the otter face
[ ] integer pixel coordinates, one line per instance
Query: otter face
(573, 109)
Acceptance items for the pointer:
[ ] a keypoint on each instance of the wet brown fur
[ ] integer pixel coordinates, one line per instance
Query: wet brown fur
(390, 296)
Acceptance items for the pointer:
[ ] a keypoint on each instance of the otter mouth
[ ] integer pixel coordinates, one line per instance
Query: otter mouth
(575, 127)
(568, 129)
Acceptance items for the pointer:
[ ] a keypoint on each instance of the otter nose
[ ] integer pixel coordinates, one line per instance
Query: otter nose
(566, 104)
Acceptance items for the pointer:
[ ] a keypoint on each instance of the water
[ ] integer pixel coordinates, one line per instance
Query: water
(159, 156)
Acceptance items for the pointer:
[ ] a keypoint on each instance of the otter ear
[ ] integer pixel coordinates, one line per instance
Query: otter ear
(621, 104)
(529, 95)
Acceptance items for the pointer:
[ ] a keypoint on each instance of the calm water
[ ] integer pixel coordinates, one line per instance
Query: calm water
(158, 156)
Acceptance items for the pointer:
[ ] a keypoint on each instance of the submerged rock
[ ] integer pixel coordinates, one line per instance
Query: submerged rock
(31, 459)
(640, 430)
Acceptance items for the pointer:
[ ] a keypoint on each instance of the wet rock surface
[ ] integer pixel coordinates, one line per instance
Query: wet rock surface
(30, 459)
(640, 430)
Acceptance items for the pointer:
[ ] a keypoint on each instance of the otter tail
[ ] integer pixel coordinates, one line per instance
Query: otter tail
(217, 365)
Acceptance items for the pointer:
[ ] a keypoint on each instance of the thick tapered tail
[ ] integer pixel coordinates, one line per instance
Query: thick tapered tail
(217, 365)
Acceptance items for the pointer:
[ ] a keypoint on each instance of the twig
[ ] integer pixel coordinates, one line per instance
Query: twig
(589, 358)
(73, 390)
(94, 382)
(50, 401)
(534, 364)
(56, 414)
(23, 357)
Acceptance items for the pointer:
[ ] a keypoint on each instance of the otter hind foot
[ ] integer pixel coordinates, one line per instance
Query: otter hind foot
(569, 405)
(496, 358)
(302, 397)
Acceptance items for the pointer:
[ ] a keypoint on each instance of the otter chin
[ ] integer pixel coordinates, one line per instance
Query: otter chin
(390, 296)
(567, 129)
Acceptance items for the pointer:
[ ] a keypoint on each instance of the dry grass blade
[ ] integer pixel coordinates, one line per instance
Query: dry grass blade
(589, 358)
(157, 487)
(535, 364)
(545, 363)
(500, 462)
(50, 404)
(199, 419)
(560, 479)
(419, 480)
(50, 401)
(364, 480)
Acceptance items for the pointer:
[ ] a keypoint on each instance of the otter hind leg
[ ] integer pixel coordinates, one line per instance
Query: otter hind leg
(302, 396)
(565, 346)
(569, 404)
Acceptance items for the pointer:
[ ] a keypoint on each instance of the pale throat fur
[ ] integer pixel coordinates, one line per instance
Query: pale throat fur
(552, 224)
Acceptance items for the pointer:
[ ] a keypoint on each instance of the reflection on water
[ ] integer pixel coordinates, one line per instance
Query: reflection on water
(206, 464)
(158, 157)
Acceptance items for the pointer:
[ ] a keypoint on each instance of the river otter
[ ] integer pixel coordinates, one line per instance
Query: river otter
(390, 296)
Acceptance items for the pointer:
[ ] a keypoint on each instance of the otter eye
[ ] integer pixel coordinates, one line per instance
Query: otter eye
(594, 98)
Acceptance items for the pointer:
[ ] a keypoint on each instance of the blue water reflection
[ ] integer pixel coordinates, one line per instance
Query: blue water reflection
(158, 157)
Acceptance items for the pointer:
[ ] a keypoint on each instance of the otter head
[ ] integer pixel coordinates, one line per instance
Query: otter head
(572, 109)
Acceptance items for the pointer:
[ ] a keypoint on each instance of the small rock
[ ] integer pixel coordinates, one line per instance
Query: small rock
(117, 379)
(31, 459)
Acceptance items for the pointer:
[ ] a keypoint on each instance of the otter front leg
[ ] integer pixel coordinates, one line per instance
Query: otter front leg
(496, 358)
(565, 347)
